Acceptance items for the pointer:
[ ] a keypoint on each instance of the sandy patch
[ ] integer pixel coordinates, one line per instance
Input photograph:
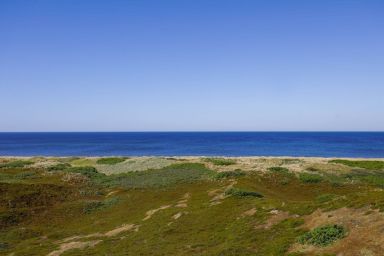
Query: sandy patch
(250, 212)
(73, 245)
(219, 194)
(183, 202)
(178, 215)
(122, 228)
(150, 213)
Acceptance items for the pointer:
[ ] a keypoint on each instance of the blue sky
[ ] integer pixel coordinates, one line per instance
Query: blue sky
(194, 65)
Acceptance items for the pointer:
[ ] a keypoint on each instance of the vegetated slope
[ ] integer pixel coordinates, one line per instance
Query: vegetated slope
(186, 208)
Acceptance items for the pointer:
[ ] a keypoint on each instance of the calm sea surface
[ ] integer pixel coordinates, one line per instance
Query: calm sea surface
(325, 144)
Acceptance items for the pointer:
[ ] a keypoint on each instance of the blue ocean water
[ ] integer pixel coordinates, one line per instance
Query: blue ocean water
(322, 144)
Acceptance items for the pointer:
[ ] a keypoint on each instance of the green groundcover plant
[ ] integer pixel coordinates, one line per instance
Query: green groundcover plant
(323, 236)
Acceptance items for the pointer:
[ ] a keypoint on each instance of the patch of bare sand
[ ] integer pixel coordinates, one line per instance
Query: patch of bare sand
(178, 215)
(150, 213)
(122, 228)
(250, 212)
(365, 232)
(73, 245)
(184, 200)
(69, 243)
(219, 194)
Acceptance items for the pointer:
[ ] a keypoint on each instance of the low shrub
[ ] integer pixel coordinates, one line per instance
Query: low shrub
(87, 171)
(281, 174)
(59, 167)
(92, 206)
(323, 236)
(375, 178)
(220, 161)
(278, 169)
(310, 177)
(16, 164)
(230, 174)
(370, 165)
(242, 193)
(110, 160)
(172, 174)
(25, 175)
(323, 198)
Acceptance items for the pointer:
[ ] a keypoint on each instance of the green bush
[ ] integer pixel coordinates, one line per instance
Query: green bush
(310, 177)
(110, 160)
(323, 236)
(220, 161)
(229, 174)
(242, 193)
(278, 169)
(16, 164)
(370, 165)
(59, 167)
(87, 171)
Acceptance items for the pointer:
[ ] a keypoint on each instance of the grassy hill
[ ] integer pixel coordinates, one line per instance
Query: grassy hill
(191, 206)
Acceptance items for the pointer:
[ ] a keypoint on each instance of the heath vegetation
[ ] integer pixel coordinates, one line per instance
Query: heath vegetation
(190, 206)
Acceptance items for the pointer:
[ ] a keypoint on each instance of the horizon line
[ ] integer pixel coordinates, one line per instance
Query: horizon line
(192, 131)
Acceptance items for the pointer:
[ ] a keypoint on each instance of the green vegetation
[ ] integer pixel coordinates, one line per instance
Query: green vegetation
(323, 198)
(370, 165)
(230, 174)
(88, 171)
(375, 178)
(110, 160)
(310, 177)
(185, 208)
(16, 164)
(220, 161)
(278, 169)
(242, 193)
(323, 236)
(173, 174)
(92, 206)
(59, 167)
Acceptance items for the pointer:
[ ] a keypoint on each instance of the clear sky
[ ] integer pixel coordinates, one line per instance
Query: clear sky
(139, 65)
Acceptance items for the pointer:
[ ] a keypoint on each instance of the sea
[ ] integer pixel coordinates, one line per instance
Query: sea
(295, 144)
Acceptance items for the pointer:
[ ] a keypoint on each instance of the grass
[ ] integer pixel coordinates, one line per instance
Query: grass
(323, 198)
(110, 160)
(88, 171)
(242, 193)
(230, 174)
(16, 164)
(278, 169)
(370, 165)
(310, 177)
(59, 167)
(173, 174)
(37, 203)
(220, 161)
(92, 206)
(323, 236)
(375, 178)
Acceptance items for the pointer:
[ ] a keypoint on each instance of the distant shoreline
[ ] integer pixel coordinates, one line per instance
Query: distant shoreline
(199, 157)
